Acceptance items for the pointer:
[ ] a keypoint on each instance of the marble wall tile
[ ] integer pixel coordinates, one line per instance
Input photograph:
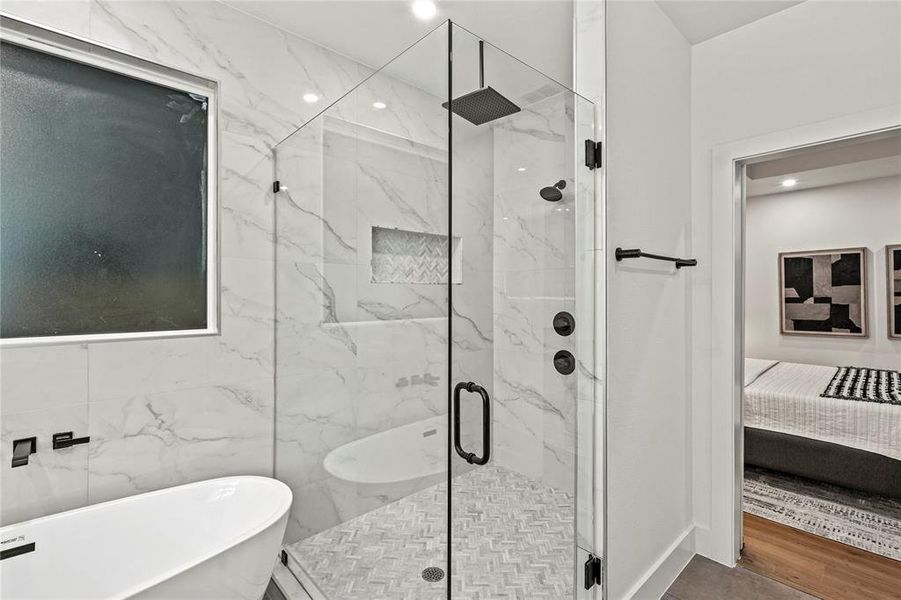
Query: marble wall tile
(424, 159)
(151, 441)
(394, 200)
(542, 399)
(410, 113)
(515, 444)
(70, 16)
(125, 369)
(419, 343)
(263, 71)
(339, 209)
(531, 232)
(245, 196)
(534, 256)
(317, 413)
(473, 317)
(535, 138)
(308, 331)
(558, 466)
(589, 48)
(245, 349)
(397, 301)
(313, 508)
(25, 386)
(385, 403)
(53, 480)
(302, 228)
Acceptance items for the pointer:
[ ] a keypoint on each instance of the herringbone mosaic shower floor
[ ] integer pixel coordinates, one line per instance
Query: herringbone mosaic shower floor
(512, 539)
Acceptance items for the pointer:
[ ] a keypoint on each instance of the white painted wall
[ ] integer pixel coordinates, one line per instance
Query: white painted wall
(648, 316)
(860, 214)
(821, 60)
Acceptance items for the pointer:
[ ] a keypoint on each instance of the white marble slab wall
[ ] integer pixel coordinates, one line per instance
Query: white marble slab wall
(534, 257)
(165, 412)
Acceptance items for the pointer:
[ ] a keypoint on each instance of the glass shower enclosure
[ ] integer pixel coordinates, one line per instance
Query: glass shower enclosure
(435, 368)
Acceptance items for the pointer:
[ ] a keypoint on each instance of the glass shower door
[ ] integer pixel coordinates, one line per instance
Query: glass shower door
(434, 329)
(521, 482)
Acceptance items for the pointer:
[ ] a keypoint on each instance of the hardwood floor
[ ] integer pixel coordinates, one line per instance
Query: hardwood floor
(821, 567)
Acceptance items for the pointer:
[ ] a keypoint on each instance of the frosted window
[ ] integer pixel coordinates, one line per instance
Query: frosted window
(103, 202)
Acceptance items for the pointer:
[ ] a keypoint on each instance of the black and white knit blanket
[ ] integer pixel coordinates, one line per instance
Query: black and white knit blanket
(867, 385)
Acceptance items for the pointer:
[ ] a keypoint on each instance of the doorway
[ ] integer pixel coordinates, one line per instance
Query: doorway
(817, 352)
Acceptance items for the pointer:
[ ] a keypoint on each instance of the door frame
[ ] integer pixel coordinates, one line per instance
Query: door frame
(727, 307)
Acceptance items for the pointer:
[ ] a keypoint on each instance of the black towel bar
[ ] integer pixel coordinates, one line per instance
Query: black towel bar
(637, 253)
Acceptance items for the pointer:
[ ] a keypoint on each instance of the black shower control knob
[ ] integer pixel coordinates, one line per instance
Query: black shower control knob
(564, 323)
(564, 362)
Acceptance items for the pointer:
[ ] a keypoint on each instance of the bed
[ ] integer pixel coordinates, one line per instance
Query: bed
(790, 428)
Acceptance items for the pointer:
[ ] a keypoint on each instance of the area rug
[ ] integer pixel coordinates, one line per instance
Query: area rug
(868, 522)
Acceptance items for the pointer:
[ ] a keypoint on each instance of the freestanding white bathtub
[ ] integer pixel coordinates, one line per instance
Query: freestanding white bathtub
(210, 539)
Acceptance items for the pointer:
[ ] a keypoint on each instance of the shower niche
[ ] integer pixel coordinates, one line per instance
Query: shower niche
(400, 256)
(380, 314)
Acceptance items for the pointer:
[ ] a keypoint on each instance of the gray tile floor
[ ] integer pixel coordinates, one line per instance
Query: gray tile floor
(513, 540)
(704, 579)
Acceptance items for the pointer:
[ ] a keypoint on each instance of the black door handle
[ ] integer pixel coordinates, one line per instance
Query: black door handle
(471, 457)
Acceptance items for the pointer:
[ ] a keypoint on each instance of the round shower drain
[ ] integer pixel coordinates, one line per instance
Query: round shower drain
(433, 574)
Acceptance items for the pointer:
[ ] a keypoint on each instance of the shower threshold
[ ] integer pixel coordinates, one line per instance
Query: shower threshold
(512, 539)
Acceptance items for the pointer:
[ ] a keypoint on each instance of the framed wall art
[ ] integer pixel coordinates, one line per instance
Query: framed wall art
(824, 292)
(893, 285)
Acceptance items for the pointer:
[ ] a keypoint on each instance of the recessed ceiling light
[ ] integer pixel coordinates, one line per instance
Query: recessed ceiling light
(379, 105)
(310, 98)
(424, 9)
(790, 182)
(521, 169)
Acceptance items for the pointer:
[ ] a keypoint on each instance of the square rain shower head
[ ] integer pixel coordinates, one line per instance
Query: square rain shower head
(482, 106)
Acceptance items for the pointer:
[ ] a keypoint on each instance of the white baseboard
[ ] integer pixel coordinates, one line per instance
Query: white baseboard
(709, 547)
(657, 579)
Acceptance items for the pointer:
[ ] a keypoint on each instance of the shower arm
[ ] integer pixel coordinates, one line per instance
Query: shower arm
(481, 64)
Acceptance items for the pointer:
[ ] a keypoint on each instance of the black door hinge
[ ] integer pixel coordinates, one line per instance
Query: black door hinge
(593, 573)
(276, 186)
(593, 152)
(283, 556)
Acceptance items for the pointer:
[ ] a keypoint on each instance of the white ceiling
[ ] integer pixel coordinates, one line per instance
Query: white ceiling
(538, 32)
(837, 175)
(700, 20)
(836, 163)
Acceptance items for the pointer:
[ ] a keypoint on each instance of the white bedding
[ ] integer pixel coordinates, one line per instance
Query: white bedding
(786, 398)
(755, 367)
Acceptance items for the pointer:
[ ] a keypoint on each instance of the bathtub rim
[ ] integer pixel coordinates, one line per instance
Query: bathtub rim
(279, 513)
